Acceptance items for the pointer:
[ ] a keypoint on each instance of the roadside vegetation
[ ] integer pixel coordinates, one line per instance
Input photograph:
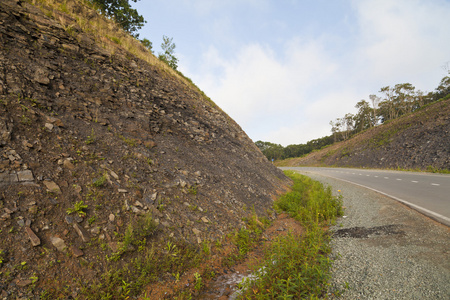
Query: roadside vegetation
(298, 267)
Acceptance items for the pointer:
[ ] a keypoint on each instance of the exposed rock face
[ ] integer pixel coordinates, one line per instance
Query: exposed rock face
(127, 138)
(417, 141)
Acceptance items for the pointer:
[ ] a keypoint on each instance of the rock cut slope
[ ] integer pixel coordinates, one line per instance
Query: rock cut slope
(420, 140)
(79, 122)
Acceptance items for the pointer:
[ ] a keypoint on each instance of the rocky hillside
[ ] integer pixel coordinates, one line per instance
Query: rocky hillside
(420, 140)
(97, 145)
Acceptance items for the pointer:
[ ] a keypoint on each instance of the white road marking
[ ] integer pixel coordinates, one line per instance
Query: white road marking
(386, 177)
(414, 181)
(436, 184)
(399, 179)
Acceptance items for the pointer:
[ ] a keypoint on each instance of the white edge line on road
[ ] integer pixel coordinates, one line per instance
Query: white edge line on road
(436, 184)
(438, 217)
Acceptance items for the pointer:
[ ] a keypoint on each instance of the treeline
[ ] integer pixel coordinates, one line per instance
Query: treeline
(389, 104)
(276, 151)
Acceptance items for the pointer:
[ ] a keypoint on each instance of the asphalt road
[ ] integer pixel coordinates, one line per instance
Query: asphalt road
(426, 193)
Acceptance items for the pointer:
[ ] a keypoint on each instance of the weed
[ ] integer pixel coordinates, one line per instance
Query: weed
(206, 247)
(170, 247)
(192, 189)
(25, 120)
(91, 138)
(298, 267)
(198, 281)
(92, 219)
(79, 208)
(99, 182)
(129, 141)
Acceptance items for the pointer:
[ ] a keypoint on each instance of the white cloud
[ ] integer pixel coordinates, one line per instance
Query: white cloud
(403, 39)
(289, 95)
(258, 82)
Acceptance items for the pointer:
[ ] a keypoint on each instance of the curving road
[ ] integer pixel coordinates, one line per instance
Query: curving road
(427, 193)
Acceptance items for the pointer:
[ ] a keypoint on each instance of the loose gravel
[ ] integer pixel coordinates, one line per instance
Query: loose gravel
(385, 250)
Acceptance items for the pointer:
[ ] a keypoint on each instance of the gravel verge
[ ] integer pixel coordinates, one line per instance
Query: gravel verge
(385, 250)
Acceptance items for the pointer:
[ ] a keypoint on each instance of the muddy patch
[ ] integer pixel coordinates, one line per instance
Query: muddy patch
(363, 232)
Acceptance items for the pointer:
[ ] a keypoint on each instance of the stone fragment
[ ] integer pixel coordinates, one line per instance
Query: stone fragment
(26, 144)
(137, 210)
(41, 76)
(55, 121)
(52, 187)
(149, 144)
(205, 220)
(23, 282)
(26, 175)
(49, 126)
(196, 231)
(122, 191)
(5, 131)
(68, 164)
(5, 216)
(35, 241)
(8, 178)
(8, 211)
(58, 243)
(68, 219)
(76, 251)
(95, 230)
(113, 174)
(111, 217)
(84, 235)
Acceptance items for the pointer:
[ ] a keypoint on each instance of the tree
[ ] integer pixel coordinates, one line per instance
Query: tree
(443, 89)
(121, 12)
(167, 56)
(363, 118)
(271, 150)
(147, 44)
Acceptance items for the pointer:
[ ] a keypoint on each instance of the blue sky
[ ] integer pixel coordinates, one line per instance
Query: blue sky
(284, 68)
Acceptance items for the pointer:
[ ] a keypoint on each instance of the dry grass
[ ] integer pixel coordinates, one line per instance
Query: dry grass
(106, 33)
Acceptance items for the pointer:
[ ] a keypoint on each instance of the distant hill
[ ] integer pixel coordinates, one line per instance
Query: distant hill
(420, 140)
(115, 171)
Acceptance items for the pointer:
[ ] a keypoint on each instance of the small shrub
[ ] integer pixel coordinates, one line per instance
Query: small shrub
(79, 208)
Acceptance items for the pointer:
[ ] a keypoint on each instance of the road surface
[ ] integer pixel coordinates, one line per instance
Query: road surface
(427, 193)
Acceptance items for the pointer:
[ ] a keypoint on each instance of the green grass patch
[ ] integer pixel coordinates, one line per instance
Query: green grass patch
(298, 267)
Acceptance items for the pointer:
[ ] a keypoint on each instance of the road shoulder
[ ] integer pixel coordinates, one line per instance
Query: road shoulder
(385, 250)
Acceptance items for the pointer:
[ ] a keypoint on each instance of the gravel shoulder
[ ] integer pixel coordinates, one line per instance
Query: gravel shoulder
(385, 250)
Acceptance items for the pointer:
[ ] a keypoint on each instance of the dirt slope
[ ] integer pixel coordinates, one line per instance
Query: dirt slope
(82, 123)
(417, 141)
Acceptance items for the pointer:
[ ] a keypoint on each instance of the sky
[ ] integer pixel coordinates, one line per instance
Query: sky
(283, 69)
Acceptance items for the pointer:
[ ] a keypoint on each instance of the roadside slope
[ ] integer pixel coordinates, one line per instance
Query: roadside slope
(93, 140)
(419, 140)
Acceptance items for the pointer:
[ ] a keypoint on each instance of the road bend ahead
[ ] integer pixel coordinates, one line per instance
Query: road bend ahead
(427, 193)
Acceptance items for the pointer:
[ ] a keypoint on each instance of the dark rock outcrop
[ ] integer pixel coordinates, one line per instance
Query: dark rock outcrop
(82, 123)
